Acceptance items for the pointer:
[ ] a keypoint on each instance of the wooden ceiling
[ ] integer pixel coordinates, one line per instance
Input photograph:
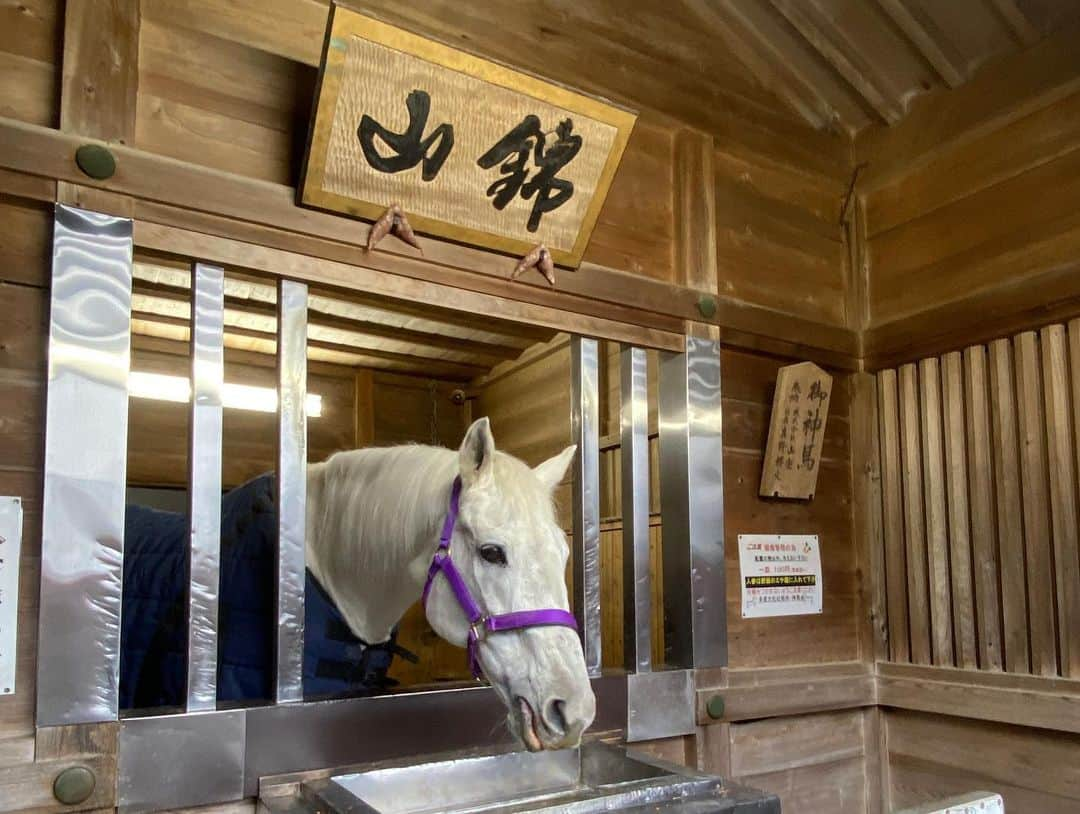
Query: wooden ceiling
(835, 65)
(350, 331)
(845, 64)
(839, 65)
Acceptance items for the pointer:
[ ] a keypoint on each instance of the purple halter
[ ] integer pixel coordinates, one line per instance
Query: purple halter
(480, 623)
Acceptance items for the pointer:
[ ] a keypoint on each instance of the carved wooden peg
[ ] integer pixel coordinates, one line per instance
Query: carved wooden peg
(393, 221)
(539, 258)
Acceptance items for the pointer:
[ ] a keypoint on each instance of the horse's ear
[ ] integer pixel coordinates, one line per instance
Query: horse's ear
(477, 454)
(553, 470)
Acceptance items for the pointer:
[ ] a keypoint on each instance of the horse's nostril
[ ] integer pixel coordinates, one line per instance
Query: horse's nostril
(555, 716)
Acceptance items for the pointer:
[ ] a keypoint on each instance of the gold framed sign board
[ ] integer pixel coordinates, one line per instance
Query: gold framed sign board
(472, 150)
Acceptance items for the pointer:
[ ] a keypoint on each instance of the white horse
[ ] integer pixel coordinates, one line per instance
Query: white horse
(373, 523)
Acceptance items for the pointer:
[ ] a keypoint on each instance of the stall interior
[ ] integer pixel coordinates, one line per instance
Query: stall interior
(381, 372)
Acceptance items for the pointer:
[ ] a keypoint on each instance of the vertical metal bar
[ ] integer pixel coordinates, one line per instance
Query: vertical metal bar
(585, 427)
(204, 563)
(692, 506)
(292, 488)
(637, 595)
(85, 469)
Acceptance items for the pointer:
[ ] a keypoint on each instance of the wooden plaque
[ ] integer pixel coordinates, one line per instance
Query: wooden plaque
(472, 151)
(796, 431)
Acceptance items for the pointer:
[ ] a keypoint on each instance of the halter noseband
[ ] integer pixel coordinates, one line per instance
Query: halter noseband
(480, 623)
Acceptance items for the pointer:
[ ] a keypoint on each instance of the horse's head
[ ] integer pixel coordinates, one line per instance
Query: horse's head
(512, 555)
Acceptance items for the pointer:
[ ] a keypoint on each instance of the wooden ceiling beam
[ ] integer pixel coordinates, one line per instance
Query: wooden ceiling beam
(924, 36)
(1016, 22)
(469, 363)
(821, 33)
(364, 357)
(491, 353)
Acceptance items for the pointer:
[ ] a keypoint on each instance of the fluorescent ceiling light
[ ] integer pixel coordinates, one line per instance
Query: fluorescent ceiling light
(160, 387)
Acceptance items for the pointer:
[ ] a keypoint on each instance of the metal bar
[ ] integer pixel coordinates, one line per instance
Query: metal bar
(660, 705)
(637, 598)
(692, 506)
(204, 563)
(85, 469)
(179, 761)
(585, 423)
(292, 488)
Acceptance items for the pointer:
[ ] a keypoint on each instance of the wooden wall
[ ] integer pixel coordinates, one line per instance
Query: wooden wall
(158, 430)
(24, 265)
(779, 239)
(747, 384)
(970, 208)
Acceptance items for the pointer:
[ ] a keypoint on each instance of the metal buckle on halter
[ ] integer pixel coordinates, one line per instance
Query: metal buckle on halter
(478, 629)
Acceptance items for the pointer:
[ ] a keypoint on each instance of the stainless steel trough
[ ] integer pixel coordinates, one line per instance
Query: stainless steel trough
(597, 777)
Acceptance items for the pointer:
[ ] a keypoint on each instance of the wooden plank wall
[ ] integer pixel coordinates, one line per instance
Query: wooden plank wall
(779, 239)
(815, 763)
(970, 208)
(158, 430)
(936, 756)
(24, 269)
(30, 60)
(747, 384)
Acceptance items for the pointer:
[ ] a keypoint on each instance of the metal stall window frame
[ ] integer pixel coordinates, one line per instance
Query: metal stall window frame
(208, 755)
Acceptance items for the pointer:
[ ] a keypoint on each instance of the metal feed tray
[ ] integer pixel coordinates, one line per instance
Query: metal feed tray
(597, 777)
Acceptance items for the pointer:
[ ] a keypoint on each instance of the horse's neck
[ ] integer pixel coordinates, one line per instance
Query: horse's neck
(373, 518)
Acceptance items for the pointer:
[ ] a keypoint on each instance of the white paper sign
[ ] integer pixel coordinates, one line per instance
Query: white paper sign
(10, 541)
(780, 575)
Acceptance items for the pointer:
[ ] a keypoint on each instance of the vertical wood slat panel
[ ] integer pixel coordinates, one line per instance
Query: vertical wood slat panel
(983, 537)
(1060, 445)
(866, 511)
(1074, 376)
(1010, 532)
(937, 542)
(914, 532)
(1034, 488)
(893, 518)
(956, 484)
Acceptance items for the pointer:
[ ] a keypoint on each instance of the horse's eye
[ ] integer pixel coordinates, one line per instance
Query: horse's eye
(495, 554)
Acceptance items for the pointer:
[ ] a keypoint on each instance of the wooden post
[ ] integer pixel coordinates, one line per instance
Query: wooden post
(695, 211)
(99, 88)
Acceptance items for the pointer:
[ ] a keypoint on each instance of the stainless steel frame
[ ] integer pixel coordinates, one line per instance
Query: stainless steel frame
(208, 755)
(238, 747)
(292, 488)
(207, 384)
(585, 423)
(637, 582)
(692, 506)
(82, 543)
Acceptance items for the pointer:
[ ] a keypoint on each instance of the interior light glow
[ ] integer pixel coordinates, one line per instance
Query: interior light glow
(161, 387)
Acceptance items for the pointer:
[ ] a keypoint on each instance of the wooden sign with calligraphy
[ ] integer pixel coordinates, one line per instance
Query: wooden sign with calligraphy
(796, 432)
(472, 151)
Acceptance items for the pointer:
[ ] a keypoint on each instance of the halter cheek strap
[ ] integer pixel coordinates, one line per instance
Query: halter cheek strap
(480, 623)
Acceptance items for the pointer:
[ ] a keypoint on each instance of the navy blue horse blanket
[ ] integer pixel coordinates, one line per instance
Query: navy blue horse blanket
(153, 630)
